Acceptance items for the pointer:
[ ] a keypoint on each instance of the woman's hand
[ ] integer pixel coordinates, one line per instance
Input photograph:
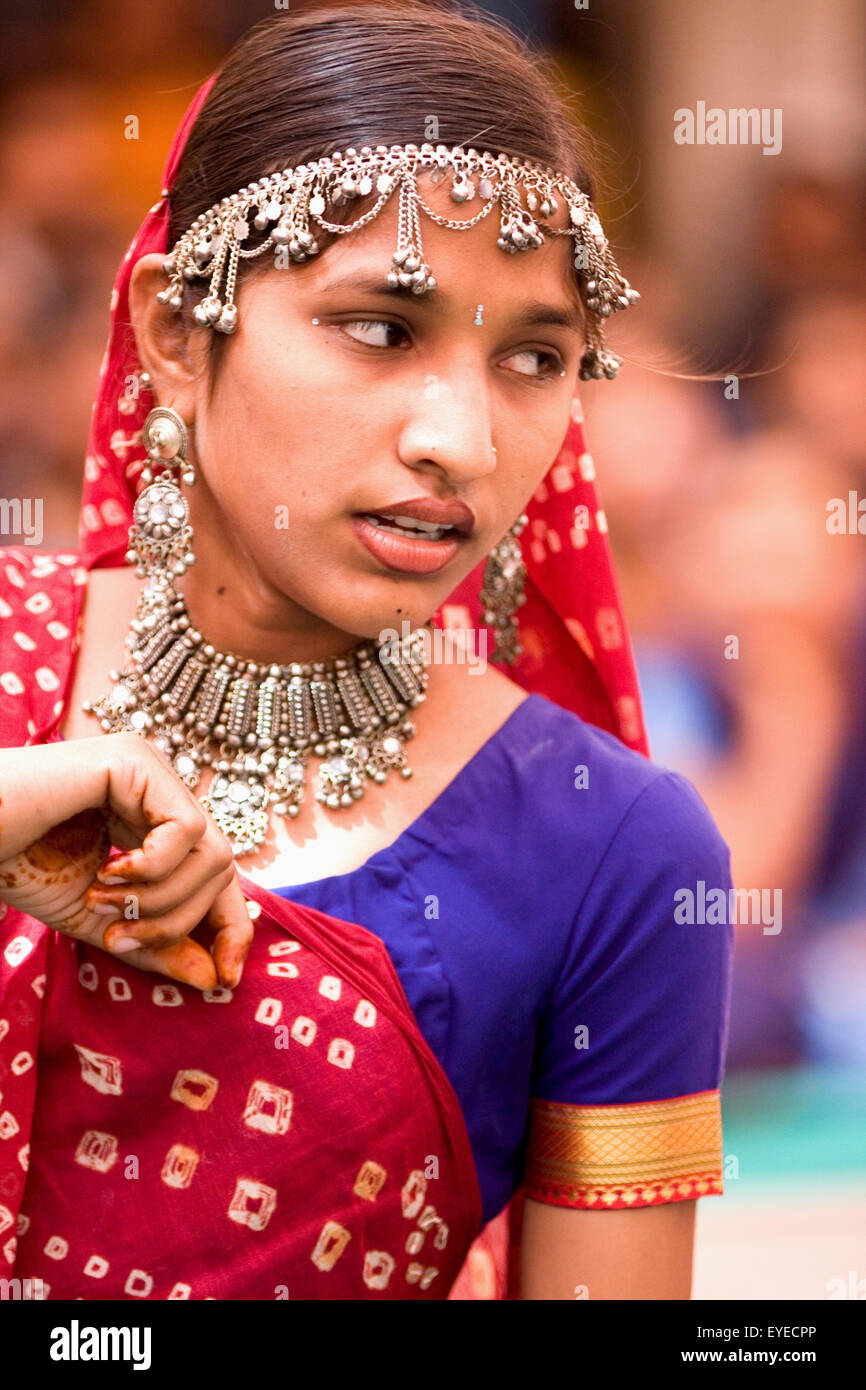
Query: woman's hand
(62, 805)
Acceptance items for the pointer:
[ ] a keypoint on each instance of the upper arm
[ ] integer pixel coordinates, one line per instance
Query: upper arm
(625, 1128)
(641, 1254)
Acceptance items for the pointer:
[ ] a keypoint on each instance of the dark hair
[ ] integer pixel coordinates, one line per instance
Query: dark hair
(304, 83)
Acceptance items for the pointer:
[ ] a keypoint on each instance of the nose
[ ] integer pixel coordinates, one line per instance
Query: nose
(448, 431)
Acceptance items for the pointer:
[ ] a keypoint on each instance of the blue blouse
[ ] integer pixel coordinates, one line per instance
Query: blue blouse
(535, 915)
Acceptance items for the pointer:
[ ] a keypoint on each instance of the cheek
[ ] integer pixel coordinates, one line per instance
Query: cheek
(529, 470)
(286, 385)
(274, 435)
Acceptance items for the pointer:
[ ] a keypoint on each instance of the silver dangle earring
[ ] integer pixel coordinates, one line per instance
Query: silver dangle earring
(502, 593)
(160, 536)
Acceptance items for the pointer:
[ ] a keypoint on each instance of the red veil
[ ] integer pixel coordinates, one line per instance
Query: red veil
(573, 631)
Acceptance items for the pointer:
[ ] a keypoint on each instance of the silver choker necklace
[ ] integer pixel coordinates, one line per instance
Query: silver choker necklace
(257, 724)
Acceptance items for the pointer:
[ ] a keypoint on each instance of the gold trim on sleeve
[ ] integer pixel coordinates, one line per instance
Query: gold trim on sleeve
(625, 1155)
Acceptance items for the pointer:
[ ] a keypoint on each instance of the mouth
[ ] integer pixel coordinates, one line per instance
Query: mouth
(410, 526)
(407, 544)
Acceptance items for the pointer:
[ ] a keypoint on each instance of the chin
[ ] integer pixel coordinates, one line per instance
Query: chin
(371, 619)
(363, 603)
(380, 603)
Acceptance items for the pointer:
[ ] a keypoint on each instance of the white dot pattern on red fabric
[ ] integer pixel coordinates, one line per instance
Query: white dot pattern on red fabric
(41, 597)
(252, 1116)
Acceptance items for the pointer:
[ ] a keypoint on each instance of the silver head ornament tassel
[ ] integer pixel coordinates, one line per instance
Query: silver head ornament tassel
(285, 209)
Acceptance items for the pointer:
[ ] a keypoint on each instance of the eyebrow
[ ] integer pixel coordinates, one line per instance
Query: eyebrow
(527, 316)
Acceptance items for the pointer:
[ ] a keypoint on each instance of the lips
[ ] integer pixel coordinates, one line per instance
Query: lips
(426, 515)
(407, 552)
(421, 536)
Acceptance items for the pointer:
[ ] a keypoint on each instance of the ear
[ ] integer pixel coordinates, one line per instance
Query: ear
(172, 355)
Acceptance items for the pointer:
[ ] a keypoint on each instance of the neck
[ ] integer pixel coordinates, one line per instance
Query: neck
(237, 615)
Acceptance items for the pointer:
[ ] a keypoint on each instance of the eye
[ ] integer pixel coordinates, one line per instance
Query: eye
(529, 358)
(373, 332)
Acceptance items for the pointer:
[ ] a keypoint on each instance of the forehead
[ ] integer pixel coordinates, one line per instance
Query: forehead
(466, 261)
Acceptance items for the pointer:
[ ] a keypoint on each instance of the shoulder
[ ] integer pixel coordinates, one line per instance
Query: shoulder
(649, 986)
(40, 601)
(25, 570)
(587, 789)
(40, 598)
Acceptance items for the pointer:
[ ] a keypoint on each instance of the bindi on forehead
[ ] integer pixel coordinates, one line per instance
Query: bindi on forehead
(527, 313)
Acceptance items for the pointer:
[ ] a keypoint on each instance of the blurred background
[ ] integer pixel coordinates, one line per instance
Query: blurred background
(747, 609)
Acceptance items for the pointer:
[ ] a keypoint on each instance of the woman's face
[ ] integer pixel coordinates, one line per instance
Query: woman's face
(337, 401)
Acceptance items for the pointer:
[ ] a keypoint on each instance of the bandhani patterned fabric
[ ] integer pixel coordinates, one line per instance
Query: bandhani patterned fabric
(304, 1144)
(577, 653)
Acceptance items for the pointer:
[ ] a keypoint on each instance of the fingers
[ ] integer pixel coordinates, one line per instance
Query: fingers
(144, 791)
(163, 850)
(203, 868)
(227, 914)
(181, 875)
(184, 961)
(232, 918)
(169, 926)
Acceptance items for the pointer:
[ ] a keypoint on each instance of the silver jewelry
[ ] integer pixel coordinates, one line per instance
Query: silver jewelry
(160, 536)
(502, 593)
(254, 724)
(285, 207)
(257, 724)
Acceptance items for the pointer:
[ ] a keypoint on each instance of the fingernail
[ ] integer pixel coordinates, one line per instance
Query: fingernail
(110, 909)
(121, 944)
(111, 878)
(233, 979)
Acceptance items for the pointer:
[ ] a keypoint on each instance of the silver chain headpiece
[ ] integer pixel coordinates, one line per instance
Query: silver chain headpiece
(284, 205)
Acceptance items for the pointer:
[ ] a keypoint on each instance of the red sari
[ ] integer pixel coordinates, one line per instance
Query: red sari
(293, 1138)
(217, 1156)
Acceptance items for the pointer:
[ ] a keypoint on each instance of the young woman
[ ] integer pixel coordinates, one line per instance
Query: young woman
(387, 1005)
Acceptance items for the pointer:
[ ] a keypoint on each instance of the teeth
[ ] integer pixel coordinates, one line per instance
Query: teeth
(413, 524)
(401, 524)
